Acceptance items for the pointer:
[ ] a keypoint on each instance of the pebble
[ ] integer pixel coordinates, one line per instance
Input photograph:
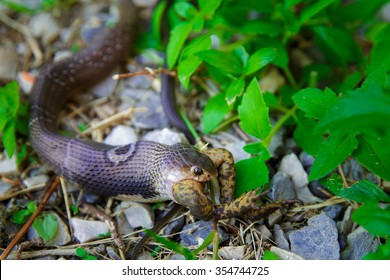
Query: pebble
(104, 88)
(281, 187)
(165, 136)
(8, 166)
(112, 254)
(62, 236)
(122, 224)
(84, 230)
(285, 255)
(138, 214)
(43, 25)
(317, 240)
(345, 225)
(306, 160)
(35, 181)
(5, 188)
(121, 135)
(232, 252)
(194, 234)
(291, 166)
(174, 226)
(140, 82)
(281, 238)
(275, 218)
(9, 62)
(334, 210)
(230, 142)
(360, 243)
(265, 232)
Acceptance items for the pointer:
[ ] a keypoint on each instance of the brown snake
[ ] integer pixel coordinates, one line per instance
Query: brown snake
(143, 171)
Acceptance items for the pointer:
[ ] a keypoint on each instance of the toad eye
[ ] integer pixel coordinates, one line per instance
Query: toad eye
(197, 170)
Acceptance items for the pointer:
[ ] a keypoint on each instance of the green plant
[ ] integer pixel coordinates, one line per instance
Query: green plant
(46, 225)
(336, 105)
(82, 253)
(43, 5)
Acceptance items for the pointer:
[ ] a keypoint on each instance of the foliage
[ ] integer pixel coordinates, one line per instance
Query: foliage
(43, 5)
(46, 225)
(82, 253)
(336, 104)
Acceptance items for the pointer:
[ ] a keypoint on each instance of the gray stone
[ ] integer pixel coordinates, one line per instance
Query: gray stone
(265, 232)
(334, 210)
(194, 234)
(121, 135)
(8, 166)
(43, 25)
(36, 181)
(291, 166)
(318, 240)
(138, 214)
(122, 224)
(104, 88)
(281, 238)
(360, 243)
(84, 230)
(112, 254)
(346, 224)
(140, 82)
(281, 187)
(232, 252)
(5, 188)
(275, 217)
(62, 236)
(306, 160)
(165, 136)
(174, 226)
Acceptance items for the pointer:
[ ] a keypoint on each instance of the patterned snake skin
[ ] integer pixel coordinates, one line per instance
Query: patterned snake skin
(143, 171)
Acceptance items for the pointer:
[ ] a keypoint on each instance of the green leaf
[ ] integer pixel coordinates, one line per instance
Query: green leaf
(225, 62)
(235, 90)
(373, 153)
(268, 255)
(253, 112)
(9, 137)
(21, 216)
(259, 59)
(185, 10)
(214, 112)
(263, 27)
(333, 182)
(208, 7)
(251, 173)
(335, 149)
(338, 45)
(178, 36)
(257, 148)
(314, 102)
(360, 110)
(362, 192)
(46, 226)
(81, 252)
(31, 206)
(313, 9)
(374, 219)
(382, 252)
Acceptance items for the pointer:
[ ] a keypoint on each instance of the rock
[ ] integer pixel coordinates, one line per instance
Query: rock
(345, 225)
(285, 255)
(144, 3)
(62, 236)
(122, 224)
(360, 243)
(43, 25)
(5, 188)
(140, 82)
(291, 166)
(306, 160)
(232, 252)
(281, 187)
(265, 232)
(121, 135)
(36, 181)
(174, 226)
(138, 214)
(177, 257)
(334, 210)
(318, 240)
(275, 217)
(194, 234)
(104, 88)
(230, 142)
(112, 254)
(8, 166)
(9, 62)
(84, 230)
(281, 238)
(165, 136)
(276, 142)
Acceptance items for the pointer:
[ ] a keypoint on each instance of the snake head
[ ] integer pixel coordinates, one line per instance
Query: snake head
(187, 163)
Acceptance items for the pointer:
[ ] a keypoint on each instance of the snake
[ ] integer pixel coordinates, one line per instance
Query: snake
(143, 171)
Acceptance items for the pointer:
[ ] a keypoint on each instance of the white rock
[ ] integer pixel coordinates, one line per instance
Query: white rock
(138, 214)
(8, 166)
(121, 135)
(232, 252)
(5, 188)
(265, 232)
(35, 181)
(43, 25)
(84, 230)
(292, 166)
(165, 136)
(285, 255)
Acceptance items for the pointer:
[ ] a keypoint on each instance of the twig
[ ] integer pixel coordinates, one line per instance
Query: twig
(67, 205)
(147, 71)
(25, 227)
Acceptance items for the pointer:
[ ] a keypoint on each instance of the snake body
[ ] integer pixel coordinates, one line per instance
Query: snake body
(142, 171)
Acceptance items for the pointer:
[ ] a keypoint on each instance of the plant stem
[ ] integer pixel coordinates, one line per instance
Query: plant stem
(290, 78)
(279, 123)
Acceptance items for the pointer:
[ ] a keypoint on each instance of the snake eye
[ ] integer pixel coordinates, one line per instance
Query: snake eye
(197, 170)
